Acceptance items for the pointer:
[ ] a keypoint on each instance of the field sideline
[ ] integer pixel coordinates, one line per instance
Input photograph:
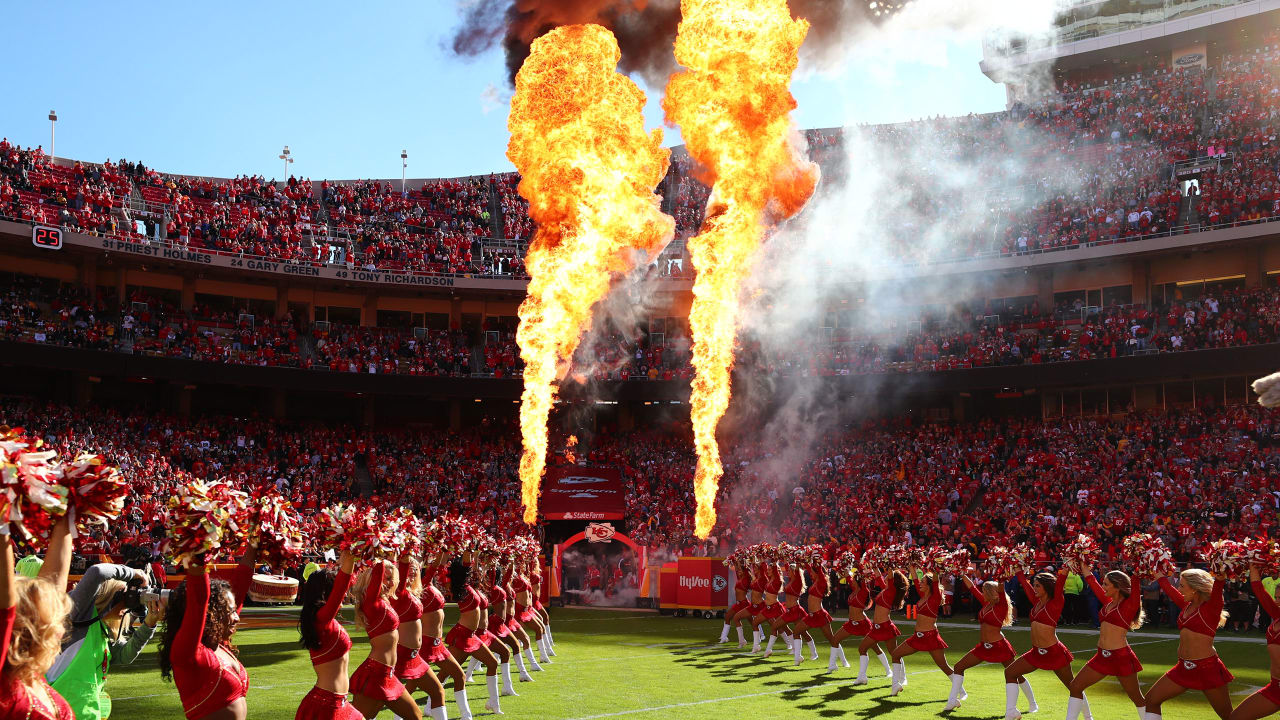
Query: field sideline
(643, 665)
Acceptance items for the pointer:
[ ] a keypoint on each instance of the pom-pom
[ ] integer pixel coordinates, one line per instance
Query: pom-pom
(1147, 555)
(1265, 554)
(997, 565)
(31, 489)
(1229, 558)
(203, 519)
(874, 561)
(1081, 553)
(846, 564)
(1022, 559)
(403, 533)
(957, 562)
(448, 536)
(97, 490)
(275, 529)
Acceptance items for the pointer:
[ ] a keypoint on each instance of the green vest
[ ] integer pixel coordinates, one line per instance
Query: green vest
(82, 683)
(1074, 584)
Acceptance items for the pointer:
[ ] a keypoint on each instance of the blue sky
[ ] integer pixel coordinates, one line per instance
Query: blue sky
(219, 88)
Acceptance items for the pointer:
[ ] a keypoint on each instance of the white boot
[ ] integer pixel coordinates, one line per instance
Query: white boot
(1151, 715)
(1025, 685)
(439, 713)
(471, 669)
(769, 648)
(1011, 702)
(742, 641)
(551, 642)
(797, 650)
(1088, 711)
(896, 677)
(464, 710)
(544, 649)
(957, 689)
(813, 649)
(755, 641)
(844, 661)
(1074, 706)
(492, 704)
(862, 670)
(507, 688)
(888, 671)
(835, 658)
(533, 664)
(524, 674)
(724, 634)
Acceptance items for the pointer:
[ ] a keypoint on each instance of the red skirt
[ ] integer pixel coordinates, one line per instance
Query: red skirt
(736, 608)
(526, 615)
(1203, 674)
(434, 650)
(409, 664)
(537, 603)
(994, 652)
(774, 611)
(1272, 691)
(375, 680)
(858, 629)
(514, 625)
(1120, 662)
(883, 631)
(794, 613)
(1050, 658)
(497, 628)
(756, 610)
(485, 637)
(324, 705)
(818, 619)
(927, 641)
(462, 640)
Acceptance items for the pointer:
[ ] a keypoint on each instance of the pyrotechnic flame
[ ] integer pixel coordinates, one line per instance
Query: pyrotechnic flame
(588, 171)
(732, 104)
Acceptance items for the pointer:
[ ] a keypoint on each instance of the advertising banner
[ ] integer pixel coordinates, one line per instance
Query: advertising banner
(702, 583)
(583, 493)
(1189, 57)
(668, 586)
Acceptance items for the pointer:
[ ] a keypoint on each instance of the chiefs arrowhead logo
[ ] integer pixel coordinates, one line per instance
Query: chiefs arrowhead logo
(1042, 651)
(1188, 665)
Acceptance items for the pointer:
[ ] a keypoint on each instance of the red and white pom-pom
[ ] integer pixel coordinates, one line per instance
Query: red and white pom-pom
(409, 528)
(846, 564)
(997, 565)
(203, 519)
(1081, 553)
(873, 561)
(917, 557)
(275, 529)
(31, 491)
(894, 557)
(956, 563)
(1229, 558)
(97, 490)
(1022, 559)
(1148, 555)
(1265, 554)
(330, 526)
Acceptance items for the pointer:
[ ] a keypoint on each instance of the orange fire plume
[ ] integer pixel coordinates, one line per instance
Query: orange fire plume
(588, 171)
(733, 106)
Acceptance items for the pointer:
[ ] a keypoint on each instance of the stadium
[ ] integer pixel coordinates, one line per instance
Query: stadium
(742, 422)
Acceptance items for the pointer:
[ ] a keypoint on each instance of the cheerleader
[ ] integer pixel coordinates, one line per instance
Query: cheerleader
(517, 638)
(857, 625)
(411, 669)
(543, 614)
(734, 616)
(818, 617)
(437, 653)
(773, 609)
(195, 650)
(495, 600)
(1120, 613)
(464, 642)
(925, 638)
(756, 610)
(33, 615)
(327, 642)
(1047, 651)
(891, 596)
(1267, 700)
(1199, 667)
(796, 613)
(993, 646)
(374, 684)
(527, 617)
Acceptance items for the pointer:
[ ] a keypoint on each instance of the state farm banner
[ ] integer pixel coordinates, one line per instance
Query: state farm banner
(583, 493)
(702, 583)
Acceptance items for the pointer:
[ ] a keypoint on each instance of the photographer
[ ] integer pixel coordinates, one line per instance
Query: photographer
(103, 605)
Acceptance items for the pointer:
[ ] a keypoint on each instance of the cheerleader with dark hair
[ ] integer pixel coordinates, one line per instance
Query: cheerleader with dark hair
(1047, 651)
(892, 594)
(535, 586)
(1266, 701)
(791, 623)
(435, 651)
(464, 640)
(756, 610)
(818, 618)
(773, 608)
(527, 616)
(925, 637)
(737, 613)
(517, 638)
(857, 625)
(1120, 613)
(993, 646)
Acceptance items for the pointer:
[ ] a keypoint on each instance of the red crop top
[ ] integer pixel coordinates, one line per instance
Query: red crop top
(1049, 610)
(885, 597)
(795, 583)
(19, 702)
(929, 608)
(379, 618)
(334, 640)
(432, 598)
(519, 584)
(470, 599)
(1121, 614)
(742, 582)
(1204, 619)
(820, 585)
(1269, 606)
(207, 679)
(772, 580)
(408, 608)
(994, 614)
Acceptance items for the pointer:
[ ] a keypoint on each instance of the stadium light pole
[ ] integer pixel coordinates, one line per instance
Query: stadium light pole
(285, 156)
(404, 163)
(53, 122)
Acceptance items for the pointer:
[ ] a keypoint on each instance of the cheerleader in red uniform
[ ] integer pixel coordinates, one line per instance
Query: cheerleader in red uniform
(196, 650)
(436, 652)
(773, 609)
(327, 642)
(857, 625)
(795, 613)
(492, 605)
(1047, 651)
(993, 646)
(1199, 667)
(1121, 612)
(374, 684)
(463, 641)
(734, 615)
(528, 617)
(535, 585)
(1267, 700)
(33, 615)
(925, 638)
(818, 617)
(517, 638)
(891, 596)
(411, 668)
(756, 609)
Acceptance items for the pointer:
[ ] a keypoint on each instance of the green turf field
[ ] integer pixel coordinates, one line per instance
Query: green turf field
(642, 665)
